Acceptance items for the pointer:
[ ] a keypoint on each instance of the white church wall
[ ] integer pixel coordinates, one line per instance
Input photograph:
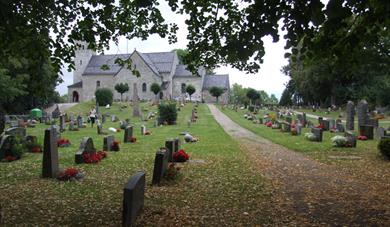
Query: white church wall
(194, 81)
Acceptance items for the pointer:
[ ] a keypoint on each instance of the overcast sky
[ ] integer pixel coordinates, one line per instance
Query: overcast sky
(269, 78)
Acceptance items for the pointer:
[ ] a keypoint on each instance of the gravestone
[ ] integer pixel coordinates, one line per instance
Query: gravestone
(286, 127)
(62, 123)
(298, 128)
(56, 113)
(170, 146)
(16, 131)
(320, 119)
(136, 108)
(128, 134)
(99, 128)
(189, 123)
(367, 130)
(318, 134)
(143, 129)
(107, 142)
(310, 124)
(326, 125)
(177, 144)
(86, 145)
(114, 118)
(31, 139)
(133, 198)
(340, 127)
(300, 118)
(351, 138)
(350, 115)
(373, 122)
(57, 133)
(103, 119)
(71, 125)
(50, 166)
(362, 111)
(160, 166)
(332, 124)
(155, 124)
(380, 132)
(80, 122)
(304, 120)
(6, 143)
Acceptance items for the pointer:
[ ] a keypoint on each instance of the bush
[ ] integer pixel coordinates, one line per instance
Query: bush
(167, 113)
(384, 147)
(104, 96)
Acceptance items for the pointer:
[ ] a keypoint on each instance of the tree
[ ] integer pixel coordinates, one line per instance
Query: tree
(252, 95)
(216, 92)
(104, 96)
(190, 90)
(122, 88)
(155, 88)
(238, 95)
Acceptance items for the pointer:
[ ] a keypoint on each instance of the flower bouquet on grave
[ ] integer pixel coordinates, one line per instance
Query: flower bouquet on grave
(269, 124)
(180, 156)
(94, 157)
(172, 171)
(115, 145)
(321, 126)
(132, 139)
(362, 137)
(148, 133)
(70, 174)
(33, 147)
(118, 130)
(63, 143)
(310, 136)
(9, 158)
(339, 141)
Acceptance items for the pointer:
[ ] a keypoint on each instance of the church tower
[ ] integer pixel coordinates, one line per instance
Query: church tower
(81, 59)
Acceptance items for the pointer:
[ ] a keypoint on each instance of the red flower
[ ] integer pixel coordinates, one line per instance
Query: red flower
(321, 126)
(10, 158)
(36, 150)
(147, 133)
(71, 172)
(133, 139)
(362, 138)
(180, 156)
(63, 142)
(269, 124)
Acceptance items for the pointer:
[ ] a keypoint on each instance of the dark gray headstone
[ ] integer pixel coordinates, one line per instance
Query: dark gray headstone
(170, 146)
(50, 166)
(86, 145)
(6, 143)
(332, 124)
(80, 122)
(99, 129)
(133, 198)
(362, 111)
(136, 107)
(326, 125)
(367, 130)
(177, 144)
(62, 123)
(340, 127)
(128, 134)
(160, 166)
(320, 119)
(16, 131)
(350, 115)
(107, 142)
(318, 133)
(56, 113)
(103, 119)
(373, 122)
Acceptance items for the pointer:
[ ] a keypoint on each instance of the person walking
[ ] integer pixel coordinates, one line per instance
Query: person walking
(92, 116)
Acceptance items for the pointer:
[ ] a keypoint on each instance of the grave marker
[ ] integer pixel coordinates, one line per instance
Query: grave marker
(350, 115)
(318, 133)
(133, 198)
(128, 134)
(50, 164)
(80, 122)
(362, 111)
(351, 138)
(107, 142)
(62, 123)
(177, 144)
(6, 143)
(326, 125)
(340, 127)
(160, 166)
(86, 145)
(16, 131)
(170, 146)
(367, 130)
(143, 130)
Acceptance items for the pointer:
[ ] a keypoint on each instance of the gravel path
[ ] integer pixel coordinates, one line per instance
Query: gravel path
(310, 193)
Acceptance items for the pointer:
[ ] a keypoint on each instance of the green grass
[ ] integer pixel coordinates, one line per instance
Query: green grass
(320, 151)
(217, 192)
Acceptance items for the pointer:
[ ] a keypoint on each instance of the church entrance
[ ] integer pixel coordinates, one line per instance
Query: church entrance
(161, 95)
(75, 96)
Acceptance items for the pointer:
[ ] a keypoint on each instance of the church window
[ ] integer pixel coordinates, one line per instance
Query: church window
(144, 87)
(183, 88)
(98, 84)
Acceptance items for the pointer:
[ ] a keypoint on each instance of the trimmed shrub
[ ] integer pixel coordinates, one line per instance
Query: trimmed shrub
(167, 113)
(104, 96)
(384, 147)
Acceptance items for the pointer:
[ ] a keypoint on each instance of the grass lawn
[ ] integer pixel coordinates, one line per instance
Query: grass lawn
(225, 190)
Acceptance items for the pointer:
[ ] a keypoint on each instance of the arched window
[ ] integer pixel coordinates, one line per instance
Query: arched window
(183, 88)
(97, 84)
(144, 87)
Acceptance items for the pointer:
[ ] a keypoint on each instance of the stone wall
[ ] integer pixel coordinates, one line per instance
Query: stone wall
(208, 98)
(89, 85)
(70, 94)
(194, 81)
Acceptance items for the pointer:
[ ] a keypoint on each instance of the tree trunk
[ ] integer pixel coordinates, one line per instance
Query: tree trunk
(121, 97)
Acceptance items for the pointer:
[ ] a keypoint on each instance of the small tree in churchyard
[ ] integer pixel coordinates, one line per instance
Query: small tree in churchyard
(155, 87)
(104, 96)
(252, 95)
(122, 88)
(216, 92)
(190, 90)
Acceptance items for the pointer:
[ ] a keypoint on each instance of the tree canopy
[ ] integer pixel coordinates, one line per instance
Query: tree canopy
(216, 92)
(122, 88)
(190, 90)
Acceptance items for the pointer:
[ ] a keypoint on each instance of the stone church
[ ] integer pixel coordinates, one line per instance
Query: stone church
(160, 67)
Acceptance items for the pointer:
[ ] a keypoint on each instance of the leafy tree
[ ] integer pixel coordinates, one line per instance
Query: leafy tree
(238, 95)
(252, 95)
(190, 90)
(122, 88)
(216, 92)
(273, 100)
(104, 96)
(155, 88)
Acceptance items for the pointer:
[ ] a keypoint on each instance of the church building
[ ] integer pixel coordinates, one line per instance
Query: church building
(100, 71)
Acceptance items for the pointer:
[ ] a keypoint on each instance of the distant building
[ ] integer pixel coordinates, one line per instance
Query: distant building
(97, 71)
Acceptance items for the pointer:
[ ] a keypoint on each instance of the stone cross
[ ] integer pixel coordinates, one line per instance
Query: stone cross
(136, 108)
(50, 166)
(133, 198)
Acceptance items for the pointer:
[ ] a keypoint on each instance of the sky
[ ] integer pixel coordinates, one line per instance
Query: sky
(269, 78)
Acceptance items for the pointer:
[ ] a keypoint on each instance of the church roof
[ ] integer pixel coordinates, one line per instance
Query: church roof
(76, 85)
(160, 62)
(216, 81)
(181, 71)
